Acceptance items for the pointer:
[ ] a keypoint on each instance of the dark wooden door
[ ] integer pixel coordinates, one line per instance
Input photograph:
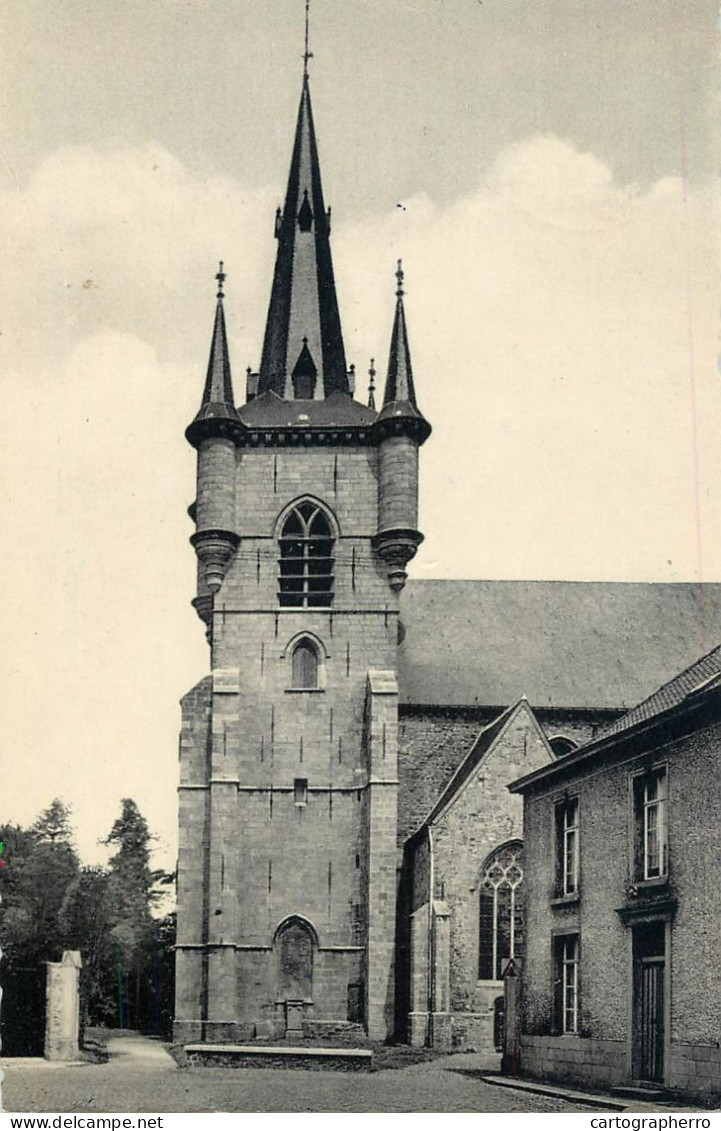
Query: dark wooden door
(650, 1018)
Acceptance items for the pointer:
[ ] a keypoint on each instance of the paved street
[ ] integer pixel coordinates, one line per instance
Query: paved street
(142, 1077)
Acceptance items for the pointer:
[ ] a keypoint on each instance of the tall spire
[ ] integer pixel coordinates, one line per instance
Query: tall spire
(303, 302)
(399, 398)
(217, 403)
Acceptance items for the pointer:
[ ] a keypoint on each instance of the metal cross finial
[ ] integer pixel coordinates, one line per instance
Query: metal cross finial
(221, 279)
(306, 54)
(400, 277)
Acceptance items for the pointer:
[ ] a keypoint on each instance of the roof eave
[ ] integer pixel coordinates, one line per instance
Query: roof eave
(644, 729)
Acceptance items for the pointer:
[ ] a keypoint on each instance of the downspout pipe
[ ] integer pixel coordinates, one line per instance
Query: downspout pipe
(431, 972)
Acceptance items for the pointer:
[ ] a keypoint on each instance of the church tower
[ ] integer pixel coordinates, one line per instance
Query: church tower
(306, 517)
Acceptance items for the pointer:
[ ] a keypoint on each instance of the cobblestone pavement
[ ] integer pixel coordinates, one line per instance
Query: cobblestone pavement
(141, 1077)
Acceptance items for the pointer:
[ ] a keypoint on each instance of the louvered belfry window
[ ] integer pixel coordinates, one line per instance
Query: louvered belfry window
(306, 559)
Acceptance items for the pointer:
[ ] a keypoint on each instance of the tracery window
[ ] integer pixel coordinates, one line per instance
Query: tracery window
(306, 559)
(500, 917)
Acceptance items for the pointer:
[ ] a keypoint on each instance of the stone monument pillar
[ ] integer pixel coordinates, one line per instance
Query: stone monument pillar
(62, 1017)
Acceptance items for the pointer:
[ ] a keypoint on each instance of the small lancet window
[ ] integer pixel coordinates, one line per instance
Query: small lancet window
(305, 665)
(306, 559)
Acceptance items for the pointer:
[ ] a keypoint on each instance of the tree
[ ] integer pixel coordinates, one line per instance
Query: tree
(131, 897)
(86, 921)
(40, 864)
(53, 825)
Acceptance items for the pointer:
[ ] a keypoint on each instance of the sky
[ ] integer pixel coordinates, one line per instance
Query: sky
(546, 171)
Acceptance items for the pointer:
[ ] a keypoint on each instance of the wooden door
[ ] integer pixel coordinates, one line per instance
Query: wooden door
(651, 1018)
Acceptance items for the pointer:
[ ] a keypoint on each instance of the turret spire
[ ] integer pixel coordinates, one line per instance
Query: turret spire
(303, 302)
(217, 404)
(399, 398)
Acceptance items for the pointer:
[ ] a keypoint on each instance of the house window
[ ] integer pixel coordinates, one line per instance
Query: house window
(300, 791)
(304, 662)
(500, 911)
(306, 559)
(650, 803)
(567, 847)
(566, 982)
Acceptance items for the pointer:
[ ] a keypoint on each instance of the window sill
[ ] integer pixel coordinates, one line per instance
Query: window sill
(639, 888)
(304, 690)
(566, 900)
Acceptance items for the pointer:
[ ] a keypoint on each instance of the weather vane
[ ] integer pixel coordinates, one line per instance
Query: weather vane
(306, 54)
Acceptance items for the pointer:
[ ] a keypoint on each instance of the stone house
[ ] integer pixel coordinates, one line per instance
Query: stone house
(622, 861)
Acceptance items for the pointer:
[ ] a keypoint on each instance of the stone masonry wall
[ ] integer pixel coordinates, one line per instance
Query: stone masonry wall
(271, 858)
(481, 817)
(433, 743)
(193, 862)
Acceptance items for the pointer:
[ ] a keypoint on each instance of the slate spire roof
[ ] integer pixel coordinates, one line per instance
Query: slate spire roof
(218, 402)
(399, 398)
(303, 310)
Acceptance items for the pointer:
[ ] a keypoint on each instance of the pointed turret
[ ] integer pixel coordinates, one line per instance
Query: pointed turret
(399, 431)
(399, 398)
(217, 404)
(303, 328)
(214, 433)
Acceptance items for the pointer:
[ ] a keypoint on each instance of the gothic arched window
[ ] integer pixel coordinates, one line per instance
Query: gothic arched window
(304, 673)
(306, 558)
(500, 911)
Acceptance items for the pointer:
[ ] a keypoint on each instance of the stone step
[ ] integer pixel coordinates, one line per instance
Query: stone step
(281, 1056)
(648, 1093)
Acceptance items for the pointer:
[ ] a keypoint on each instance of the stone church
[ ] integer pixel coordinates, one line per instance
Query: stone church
(350, 856)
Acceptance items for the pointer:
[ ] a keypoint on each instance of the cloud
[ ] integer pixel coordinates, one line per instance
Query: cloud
(127, 239)
(563, 330)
